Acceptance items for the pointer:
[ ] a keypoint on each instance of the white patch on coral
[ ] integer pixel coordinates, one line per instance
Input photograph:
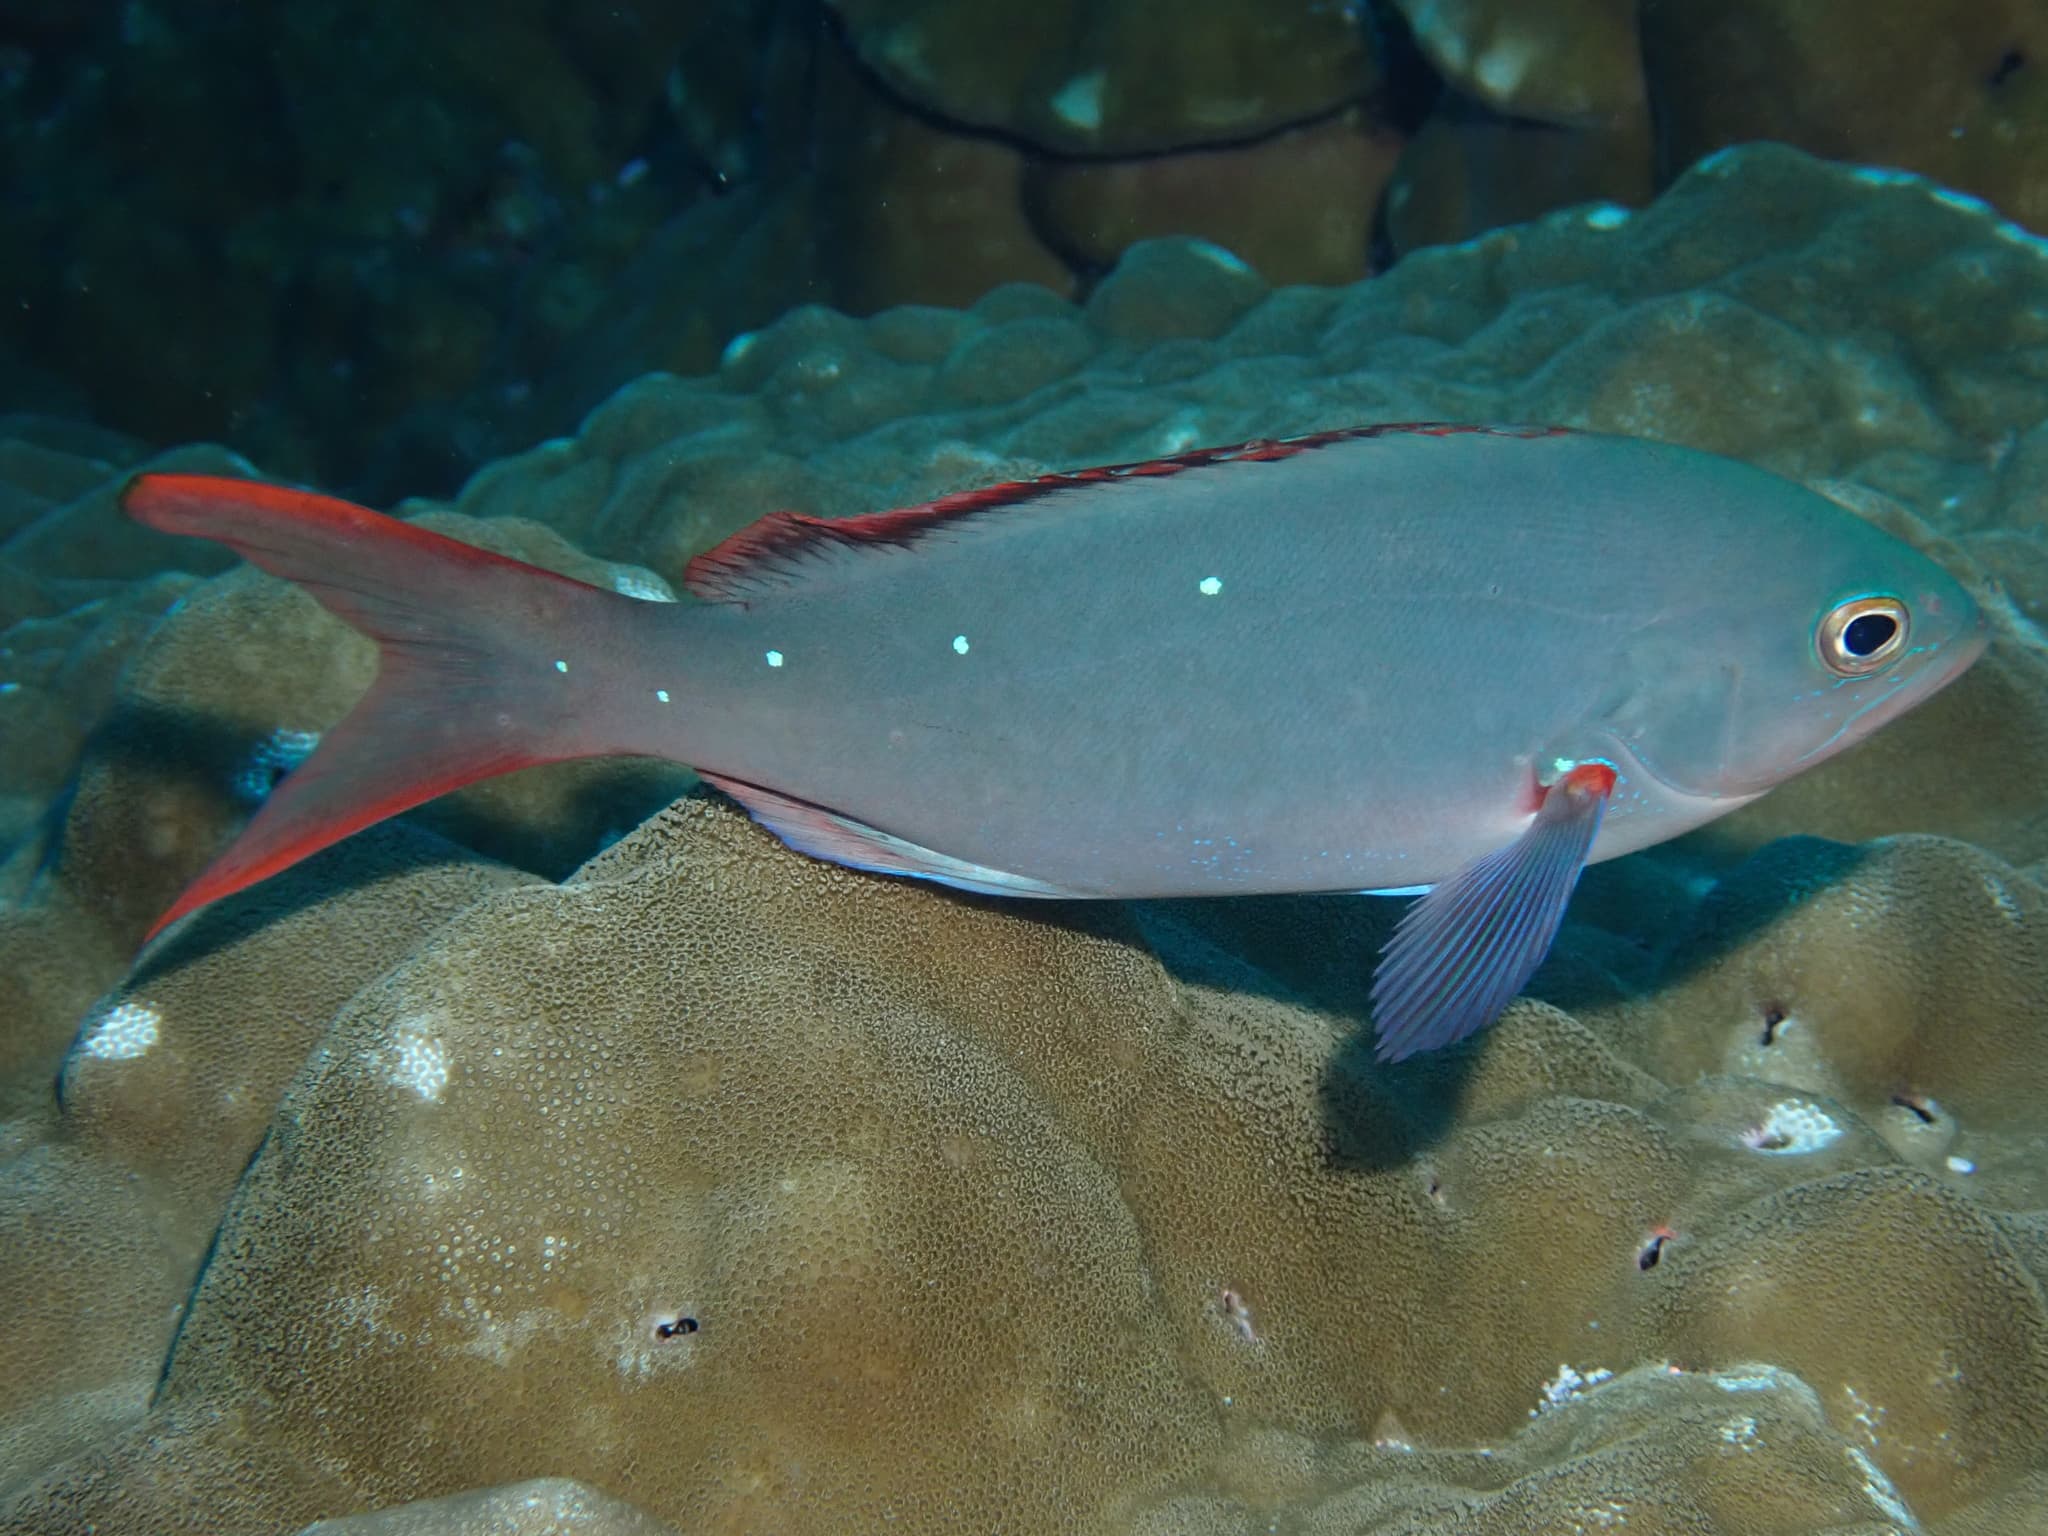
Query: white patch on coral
(1178, 436)
(1607, 216)
(499, 1340)
(420, 1062)
(644, 585)
(1232, 1308)
(275, 756)
(1792, 1128)
(2025, 239)
(1960, 1164)
(1865, 1414)
(1764, 1378)
(1219, 255)
(1209, 586)
(960, 646)
(1963, 202)
(1567, 1385)
(1880, 1491)
(1504, 66)
(1442, 30)
(737, 348)
(368, 1309)
(2001, 898)
(1740, 1432)
(1079, 101)
(1604, 1516)
(125, 1031)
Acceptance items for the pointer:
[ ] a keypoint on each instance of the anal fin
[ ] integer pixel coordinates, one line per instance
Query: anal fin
(825, 834)
(1463, 951)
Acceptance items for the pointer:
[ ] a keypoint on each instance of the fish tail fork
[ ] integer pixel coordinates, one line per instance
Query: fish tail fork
(477, 673)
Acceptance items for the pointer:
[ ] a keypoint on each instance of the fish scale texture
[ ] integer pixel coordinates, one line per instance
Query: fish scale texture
(724, 1190)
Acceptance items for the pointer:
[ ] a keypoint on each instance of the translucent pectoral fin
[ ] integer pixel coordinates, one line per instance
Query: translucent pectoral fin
(1463, 951)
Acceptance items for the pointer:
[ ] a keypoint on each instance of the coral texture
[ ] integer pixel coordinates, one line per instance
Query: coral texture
(377, 243)
(757, 1193)
(1110, 79)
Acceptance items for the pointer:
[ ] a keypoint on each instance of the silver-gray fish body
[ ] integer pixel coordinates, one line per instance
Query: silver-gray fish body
(1350, 666)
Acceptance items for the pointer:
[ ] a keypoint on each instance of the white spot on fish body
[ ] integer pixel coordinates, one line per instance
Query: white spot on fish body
(1606, 216)
(1209, 586)
(774, 658)
(124, 1032)
(960, 645)
(1960, 1165)
(1079, 101)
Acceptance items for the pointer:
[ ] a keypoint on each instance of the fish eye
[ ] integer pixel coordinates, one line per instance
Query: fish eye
(1862, 636)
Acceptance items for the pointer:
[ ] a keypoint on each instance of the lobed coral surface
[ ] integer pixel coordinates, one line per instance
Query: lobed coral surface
(751, 1193)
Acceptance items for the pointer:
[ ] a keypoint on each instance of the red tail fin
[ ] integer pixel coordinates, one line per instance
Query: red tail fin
(476, 677)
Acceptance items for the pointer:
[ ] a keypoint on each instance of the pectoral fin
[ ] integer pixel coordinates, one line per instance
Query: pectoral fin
(1462, 952)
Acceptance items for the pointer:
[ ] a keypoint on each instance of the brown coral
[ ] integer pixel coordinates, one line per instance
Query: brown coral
(849, 1218)
(1959, 96)
(753, 1191)
(1111, 79)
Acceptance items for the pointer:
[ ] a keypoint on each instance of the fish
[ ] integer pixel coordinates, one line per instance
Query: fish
(1452, 661)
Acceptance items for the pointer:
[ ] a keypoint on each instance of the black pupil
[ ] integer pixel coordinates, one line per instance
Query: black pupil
(1869, 633)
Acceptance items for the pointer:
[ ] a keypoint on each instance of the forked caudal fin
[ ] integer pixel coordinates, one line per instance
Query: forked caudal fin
(476, 673)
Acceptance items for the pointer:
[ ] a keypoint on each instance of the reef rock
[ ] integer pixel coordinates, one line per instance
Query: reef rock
(1116, 79)
(1574, 63)
(1960, 96)
(753, 1192)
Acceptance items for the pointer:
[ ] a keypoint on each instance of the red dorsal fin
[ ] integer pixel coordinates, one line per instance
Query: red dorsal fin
(784, 548)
